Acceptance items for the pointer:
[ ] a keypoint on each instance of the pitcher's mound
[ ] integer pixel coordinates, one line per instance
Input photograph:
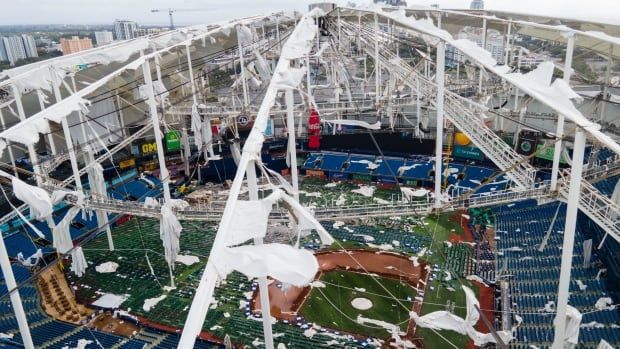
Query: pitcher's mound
(361, 303)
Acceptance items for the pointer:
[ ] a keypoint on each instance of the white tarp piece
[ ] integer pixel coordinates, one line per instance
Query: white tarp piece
(196, 127)
(42, 77)
(27, 132)
(207, 139)
(409, 193)
(604, 303)
(250, 219)
(98, 188)
(282, 262)
(396, 334)
(78, 261)
(81, 344)
(28, 262)
(61, 234)
(152, 302)
(301, 40)
(170, 232)
(375, 126)
(107, 267)
(369, 164)
(364, 190)
(444, 320)
(604, 345)
(187, 259)
(573, 322)
(290, 78)
(36, 198)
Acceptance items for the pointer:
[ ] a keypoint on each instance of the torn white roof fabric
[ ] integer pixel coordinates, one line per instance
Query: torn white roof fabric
(282, 262)
(96, 181)
(444, 320)
(300, 41)
(28, 262)
(169, 232)
(196, 127)
(60, 233)
(78, 261)
(358, 123)
(36, 198)
(573, 322)
(110, 301)
(250, 219)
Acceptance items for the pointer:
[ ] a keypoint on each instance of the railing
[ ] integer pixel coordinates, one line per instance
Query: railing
(603, 169)
(213, 211)
(601, 209)
(324, 107)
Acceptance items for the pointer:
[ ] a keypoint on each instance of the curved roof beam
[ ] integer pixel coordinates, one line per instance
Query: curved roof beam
(38, 76)
(38, 123)
(597, 37)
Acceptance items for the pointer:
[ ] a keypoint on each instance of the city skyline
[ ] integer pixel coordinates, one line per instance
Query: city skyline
(34, 12)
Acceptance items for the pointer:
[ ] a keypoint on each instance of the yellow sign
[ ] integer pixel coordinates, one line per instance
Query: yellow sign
(127, 163)
(148, 148)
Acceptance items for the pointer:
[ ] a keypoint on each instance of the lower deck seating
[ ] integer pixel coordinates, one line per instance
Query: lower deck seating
(534, 276)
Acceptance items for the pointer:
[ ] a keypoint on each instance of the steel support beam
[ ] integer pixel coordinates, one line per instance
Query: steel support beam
(439, 78)
(569, 238)
(559, 132)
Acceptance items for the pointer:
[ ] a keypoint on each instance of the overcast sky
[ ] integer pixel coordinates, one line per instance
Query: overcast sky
(105, 11)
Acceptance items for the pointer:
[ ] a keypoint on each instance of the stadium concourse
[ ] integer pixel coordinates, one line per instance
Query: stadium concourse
(348, 177)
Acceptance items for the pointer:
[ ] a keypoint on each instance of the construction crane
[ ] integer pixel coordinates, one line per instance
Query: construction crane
(173, 10)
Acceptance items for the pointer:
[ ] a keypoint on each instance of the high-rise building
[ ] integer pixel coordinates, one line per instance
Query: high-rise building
(146, 31)
(477, 5)
(124, 29)
(30, 46)
(75, 44)
(103, 38)
(494, 44)
(392, 2)
(14, 47)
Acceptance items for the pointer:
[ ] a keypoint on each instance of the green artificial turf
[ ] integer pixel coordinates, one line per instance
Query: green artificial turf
(331, 307)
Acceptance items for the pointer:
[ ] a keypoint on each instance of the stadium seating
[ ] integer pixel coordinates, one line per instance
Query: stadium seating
(534, 275)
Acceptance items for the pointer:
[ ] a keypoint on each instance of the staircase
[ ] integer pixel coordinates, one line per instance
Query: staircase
(594, 204)
(467, 116)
